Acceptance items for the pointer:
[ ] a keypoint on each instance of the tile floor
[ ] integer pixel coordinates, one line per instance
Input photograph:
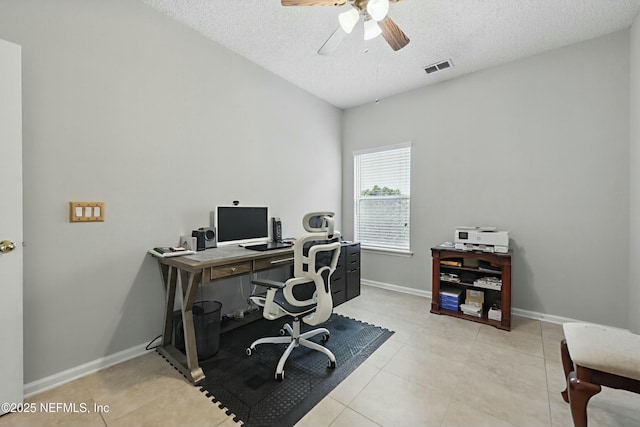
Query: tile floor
(434, 371)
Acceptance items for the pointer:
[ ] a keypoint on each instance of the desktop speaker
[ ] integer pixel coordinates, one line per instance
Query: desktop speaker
(210, 240)
(199, 236)
(276, 226)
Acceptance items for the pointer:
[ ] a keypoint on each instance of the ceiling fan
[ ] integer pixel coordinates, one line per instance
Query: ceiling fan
(376, 21)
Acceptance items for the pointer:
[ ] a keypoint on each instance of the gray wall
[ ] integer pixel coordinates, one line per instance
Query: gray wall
(634, 229)
(125, 106)
(538, 147)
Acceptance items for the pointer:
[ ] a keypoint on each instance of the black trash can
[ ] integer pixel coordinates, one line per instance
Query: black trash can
(206, 324)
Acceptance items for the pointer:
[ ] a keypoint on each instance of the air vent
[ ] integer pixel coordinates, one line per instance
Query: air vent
(438, 66)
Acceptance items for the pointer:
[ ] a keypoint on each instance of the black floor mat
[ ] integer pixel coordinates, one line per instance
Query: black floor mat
(246, 385)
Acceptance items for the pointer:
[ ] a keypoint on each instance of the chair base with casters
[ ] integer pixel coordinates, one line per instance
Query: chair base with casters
(290, 334)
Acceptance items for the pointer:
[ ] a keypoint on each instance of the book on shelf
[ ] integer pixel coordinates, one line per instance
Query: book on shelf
(170, 251)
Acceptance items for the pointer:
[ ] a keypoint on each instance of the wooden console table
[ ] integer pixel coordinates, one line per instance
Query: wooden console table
(204, 267)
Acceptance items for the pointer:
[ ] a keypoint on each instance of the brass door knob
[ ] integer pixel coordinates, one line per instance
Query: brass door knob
(7, 246)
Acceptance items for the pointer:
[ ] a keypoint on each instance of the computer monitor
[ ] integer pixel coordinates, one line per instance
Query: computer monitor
(242, 224)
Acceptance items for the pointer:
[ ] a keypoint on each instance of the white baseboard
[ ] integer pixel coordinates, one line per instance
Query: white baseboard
(396, 288)
(551, 318)
(69, 375)
(516, 311)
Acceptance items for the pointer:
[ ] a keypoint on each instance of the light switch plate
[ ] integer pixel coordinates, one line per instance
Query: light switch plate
(86, 211)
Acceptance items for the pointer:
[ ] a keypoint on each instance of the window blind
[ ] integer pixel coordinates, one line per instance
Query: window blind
(382, 197)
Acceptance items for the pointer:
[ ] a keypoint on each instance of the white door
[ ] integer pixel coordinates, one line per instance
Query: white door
(11, 364)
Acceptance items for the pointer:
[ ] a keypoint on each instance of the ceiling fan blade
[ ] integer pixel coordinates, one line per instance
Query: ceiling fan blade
(396, 38)
(313, 2)
(332, 42)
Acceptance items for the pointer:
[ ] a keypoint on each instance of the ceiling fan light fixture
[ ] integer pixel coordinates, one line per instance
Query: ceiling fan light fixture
(378, 9)
(349, 19)
(371, 29)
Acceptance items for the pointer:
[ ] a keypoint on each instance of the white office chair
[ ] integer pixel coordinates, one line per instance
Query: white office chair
(306, 296)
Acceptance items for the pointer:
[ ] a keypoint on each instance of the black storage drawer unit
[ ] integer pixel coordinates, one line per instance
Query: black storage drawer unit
(353, 270)
(339, 281)
(345, 280)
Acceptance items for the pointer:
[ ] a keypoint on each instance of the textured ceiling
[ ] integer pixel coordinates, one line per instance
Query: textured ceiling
(473, 34)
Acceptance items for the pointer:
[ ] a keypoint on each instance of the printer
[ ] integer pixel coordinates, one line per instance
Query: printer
(485, 239)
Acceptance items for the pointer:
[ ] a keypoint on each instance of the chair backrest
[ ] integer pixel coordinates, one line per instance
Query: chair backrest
(320, 229)
(315, 258)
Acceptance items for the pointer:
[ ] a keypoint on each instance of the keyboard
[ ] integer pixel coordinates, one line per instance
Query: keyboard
(268, 246)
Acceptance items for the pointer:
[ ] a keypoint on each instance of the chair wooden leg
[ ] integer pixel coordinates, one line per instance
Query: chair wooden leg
(579, 394)
(567, 365)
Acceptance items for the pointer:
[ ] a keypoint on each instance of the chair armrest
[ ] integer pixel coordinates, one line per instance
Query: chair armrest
(268, 283)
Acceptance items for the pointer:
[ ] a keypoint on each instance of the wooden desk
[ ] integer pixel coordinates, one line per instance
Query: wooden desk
(204, 267)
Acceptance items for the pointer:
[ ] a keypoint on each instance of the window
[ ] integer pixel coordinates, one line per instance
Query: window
(382, 196)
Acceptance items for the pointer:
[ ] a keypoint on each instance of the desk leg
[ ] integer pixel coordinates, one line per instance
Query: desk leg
(169, 276)
(188, 366)
(190, 284)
